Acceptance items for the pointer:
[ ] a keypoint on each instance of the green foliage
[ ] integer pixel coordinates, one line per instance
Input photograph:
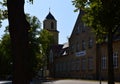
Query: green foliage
(79, 4)
(5, 56)
(39, 42)
(94, 20)
(100, 15)
(34, 41)
(5, 50)
(46, 39)
(3, 11)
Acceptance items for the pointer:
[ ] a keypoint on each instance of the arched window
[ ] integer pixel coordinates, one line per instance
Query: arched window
(52, 25)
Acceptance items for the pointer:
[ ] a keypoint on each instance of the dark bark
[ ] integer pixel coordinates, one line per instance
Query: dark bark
(108, 24)
(18, 28)
(110, 57)
(98, 61)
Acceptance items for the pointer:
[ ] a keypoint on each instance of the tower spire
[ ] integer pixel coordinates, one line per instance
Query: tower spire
(49, 9)
(50, 23)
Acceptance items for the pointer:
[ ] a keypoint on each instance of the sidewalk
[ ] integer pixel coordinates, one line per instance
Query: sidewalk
(39, 81)
(82, 81)
(68, 81)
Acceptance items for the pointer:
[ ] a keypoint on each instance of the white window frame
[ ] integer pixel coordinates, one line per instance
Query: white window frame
(83, 45)
(78, 65)
(90, 63)
(104, 62)
(84, 27)
(83, 64)
(115, 59)
(90, 44)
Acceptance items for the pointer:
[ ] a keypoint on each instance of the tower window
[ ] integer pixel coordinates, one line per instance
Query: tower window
(52, 25)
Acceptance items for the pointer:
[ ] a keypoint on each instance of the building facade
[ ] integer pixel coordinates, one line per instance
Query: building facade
(82, 57)
(80, 62)
(116, 60)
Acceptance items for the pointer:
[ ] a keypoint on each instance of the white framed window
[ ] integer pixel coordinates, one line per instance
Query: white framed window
(78, 29)
(73, 65)
(115, 59)
(51, 56)
(69, 66)
(90, 42)
(60, 67)
(90, 63)
(104, 62)
(83, 64)
(84, 27)
(56, 67)
(83, 45)
(78, 65)
(71, 48)
(77, 46)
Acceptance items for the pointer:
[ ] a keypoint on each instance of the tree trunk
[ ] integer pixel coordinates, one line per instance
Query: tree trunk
(18, 28)
(110, 58)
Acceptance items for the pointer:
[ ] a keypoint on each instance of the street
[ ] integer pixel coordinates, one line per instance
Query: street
(5, 82)
(66, 81)
(72, 82)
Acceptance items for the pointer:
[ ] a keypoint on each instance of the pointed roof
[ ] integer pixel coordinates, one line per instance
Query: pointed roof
(50, 16)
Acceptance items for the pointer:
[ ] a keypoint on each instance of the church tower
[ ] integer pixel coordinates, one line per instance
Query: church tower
(50, 24)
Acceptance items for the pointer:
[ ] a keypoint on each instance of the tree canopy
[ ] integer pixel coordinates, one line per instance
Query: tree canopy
(34, 45)
(4, 11)
(18, 30)
(39, 42)
(100, 15)
(5, 57)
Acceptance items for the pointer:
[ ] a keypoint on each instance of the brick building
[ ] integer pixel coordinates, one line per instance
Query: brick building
(116, 60)
(81, 57)
(80, 62)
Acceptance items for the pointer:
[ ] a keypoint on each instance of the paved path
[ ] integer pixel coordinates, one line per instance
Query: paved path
(5, 82)
(72, 82)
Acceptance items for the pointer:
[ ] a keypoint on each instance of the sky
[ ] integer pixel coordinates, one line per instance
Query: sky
(62, 10)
